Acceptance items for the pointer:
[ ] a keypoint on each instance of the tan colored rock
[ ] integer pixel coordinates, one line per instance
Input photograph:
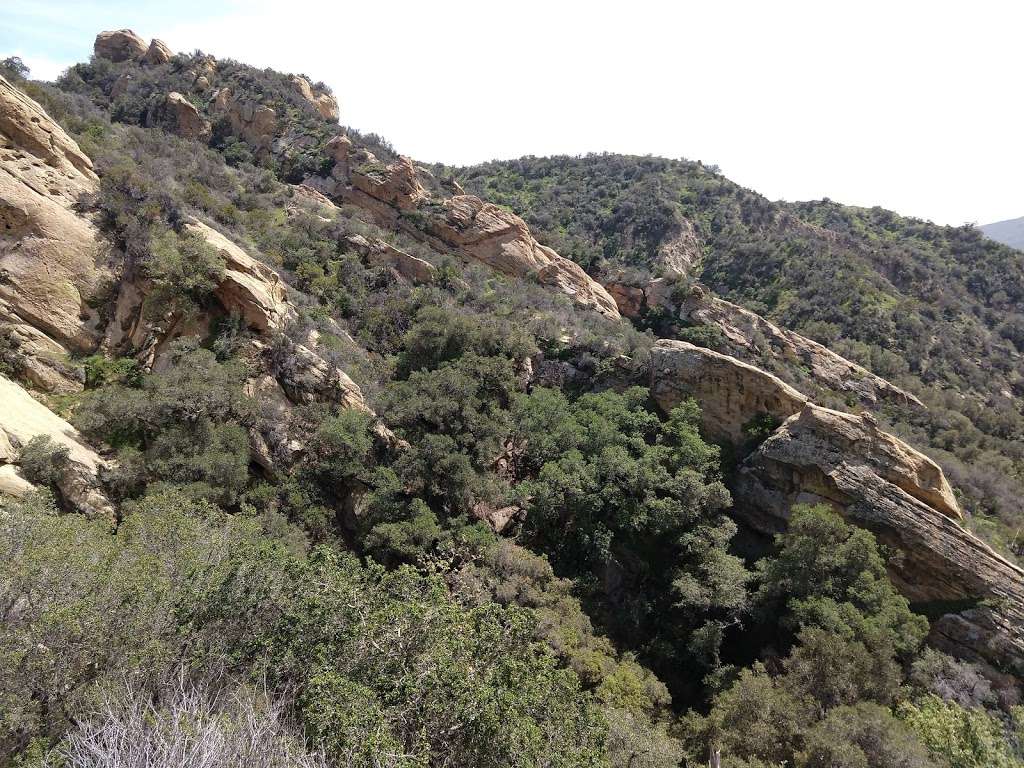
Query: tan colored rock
(52, 259)
(12, 483)
(730, 393)
(253, 290)
(251, 121)
(382, 254)
(23, 418)
(157, 53)
(184, 119)
(324, 103)
(680, 253)
(119, 45)
(498, 518)
(395, 183)
(876, 480)
(502, 241)
(750, 335)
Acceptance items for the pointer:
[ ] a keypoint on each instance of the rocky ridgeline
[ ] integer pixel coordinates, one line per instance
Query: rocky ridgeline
(818, 455)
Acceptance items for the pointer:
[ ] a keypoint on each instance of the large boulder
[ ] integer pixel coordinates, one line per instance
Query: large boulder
(879, 482)
(157, 53)
(249, 288)
(251, 121)
(180, 116)
(381, 253)
(119, 45)
(23, 418)
(324, 103)
(731, 393)
(395, 183)
(53, 259)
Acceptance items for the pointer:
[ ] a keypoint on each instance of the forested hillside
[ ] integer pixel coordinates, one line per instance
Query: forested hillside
(938, 310)
(317, 460)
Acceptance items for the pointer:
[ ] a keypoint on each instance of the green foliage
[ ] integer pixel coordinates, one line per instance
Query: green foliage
(961, 738)
(862, 736)
(43, 461)
(184, 270)
(183, 426)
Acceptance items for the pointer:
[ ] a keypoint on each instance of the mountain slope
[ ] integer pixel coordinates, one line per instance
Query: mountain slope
(1009, 232)
(935, 309)
(392, 482)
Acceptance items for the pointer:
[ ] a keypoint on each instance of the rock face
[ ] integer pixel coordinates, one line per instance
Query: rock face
(157, 53)
(250, 120)
(382, 254)
(43, 173)
(182, 118)
(502, 241)
(23, 418)
(750, 335)
(465, 224)
(251, 289)
(876, 480)
(324, 103)
(119, 45)
(395, 184)
(731, 393)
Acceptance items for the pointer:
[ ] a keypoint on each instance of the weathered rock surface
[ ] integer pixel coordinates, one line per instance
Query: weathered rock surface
(396, 183)
(181, 117)
(52, 259)
(119, 45)
(382, 254)
(250, 120)
(253, 290)
(731, 393)
(157, 53)
(23, 418)
(324, 103)
(750, 335)
(503, 241)
(876, 480)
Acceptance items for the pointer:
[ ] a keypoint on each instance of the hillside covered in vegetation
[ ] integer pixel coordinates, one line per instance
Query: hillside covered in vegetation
(316, 459)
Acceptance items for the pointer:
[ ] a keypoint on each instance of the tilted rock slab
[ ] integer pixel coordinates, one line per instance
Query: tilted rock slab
(875, 480)
(748, 332)
(23, 418)
(52, 258)
(474, 229)
(730, 393)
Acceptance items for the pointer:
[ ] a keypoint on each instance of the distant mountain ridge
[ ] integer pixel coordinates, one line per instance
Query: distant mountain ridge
(1009, 232)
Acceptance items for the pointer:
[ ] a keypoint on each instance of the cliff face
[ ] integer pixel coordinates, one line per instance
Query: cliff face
(43, 175)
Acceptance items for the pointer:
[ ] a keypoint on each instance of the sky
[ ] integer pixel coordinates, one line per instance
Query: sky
(912, 105)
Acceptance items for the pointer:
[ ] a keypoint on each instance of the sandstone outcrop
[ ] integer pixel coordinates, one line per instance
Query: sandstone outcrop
(465, 224)
(181, 117)
(250, 120)
(157, 53)
(396, 183)
(324, 103)
(381, 253)
(503, 241)
(23, 418)
(119, 45)
(43, 175)
(252, 290)
(874, 479)
(758, 341)
(731, 393)
(750, 335)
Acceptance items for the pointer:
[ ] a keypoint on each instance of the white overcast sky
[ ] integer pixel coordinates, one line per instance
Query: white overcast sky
(915, 106)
